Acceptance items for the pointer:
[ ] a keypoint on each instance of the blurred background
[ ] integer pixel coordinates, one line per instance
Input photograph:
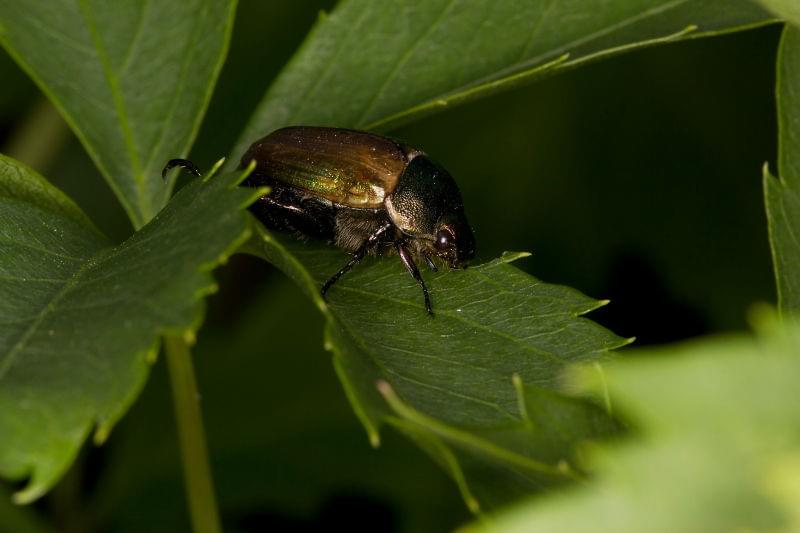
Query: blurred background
(636, 179)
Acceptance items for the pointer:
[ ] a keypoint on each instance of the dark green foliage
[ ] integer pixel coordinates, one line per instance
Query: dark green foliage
(81, 319)
(624, 159)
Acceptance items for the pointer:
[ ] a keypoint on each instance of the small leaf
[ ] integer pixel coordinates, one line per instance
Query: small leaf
(375, 65)
(132, 79)
(80, 320)
(782, 196)
(715, 446)
(274, 414)
(454, 382)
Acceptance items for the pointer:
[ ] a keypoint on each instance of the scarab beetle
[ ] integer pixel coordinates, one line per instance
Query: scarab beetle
(364, 192)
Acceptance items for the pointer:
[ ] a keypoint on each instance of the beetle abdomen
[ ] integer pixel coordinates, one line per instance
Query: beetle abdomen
(354, 226)
(288, 209)
(349, 168)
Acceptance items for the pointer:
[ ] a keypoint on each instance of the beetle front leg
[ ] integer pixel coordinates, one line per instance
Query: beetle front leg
(358, 255)
(411, 266)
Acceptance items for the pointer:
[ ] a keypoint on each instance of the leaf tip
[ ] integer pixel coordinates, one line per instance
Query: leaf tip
(27, 495)
(519, 389)
(768, 176)
(214, 169)
(765, 170)
(189, 337)
(763, 318)
(592, 306)
(243, 172)
(592, 379)
(628, 340)
(385, 389)
(101, 434)
(374, 438)
(565, 468)
(151, 356)
(392, 399)
(508, 257)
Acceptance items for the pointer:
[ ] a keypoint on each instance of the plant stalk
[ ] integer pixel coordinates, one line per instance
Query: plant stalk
(194, 452)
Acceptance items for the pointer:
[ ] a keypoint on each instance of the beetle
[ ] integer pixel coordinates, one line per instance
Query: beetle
(363, 192)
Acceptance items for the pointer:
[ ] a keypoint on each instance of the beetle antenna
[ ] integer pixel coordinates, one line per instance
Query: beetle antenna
(182, 163)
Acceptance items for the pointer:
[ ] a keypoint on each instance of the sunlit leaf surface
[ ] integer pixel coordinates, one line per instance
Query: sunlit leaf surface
(715, 446)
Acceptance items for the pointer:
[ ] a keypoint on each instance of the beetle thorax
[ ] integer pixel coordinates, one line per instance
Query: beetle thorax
(423, 193)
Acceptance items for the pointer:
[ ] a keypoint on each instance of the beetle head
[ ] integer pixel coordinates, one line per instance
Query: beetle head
(453, 240)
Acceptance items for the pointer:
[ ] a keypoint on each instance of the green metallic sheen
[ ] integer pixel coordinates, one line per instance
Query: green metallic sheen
(347, 167)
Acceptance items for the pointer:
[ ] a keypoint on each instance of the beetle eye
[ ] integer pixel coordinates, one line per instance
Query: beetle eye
(444, 239)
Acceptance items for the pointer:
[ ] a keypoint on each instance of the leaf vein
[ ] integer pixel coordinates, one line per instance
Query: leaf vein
(403, 60)
(460, 318)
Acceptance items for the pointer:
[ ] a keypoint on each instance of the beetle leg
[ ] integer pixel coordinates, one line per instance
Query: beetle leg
(358, 255)
(408, 261)
(430, 262)
(183, 163)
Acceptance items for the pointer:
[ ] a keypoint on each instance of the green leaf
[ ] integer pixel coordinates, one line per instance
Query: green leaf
(787, 9)
(782, 196)
(375, 65)
(282, 452)
(80, 320)
(132, 79)
(717, 444)
(472, 385)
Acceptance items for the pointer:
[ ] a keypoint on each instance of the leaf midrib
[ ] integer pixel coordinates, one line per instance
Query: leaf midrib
(48, 308)
(520, 65)
(321, 77)
(182, 79)
(460, 318)
(386, 371)
(144, 208)
(403, 60)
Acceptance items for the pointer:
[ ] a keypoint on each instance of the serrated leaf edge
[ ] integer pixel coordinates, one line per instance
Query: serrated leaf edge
(103, 426)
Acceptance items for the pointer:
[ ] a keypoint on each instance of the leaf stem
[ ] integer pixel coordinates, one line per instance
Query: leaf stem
(194, 453)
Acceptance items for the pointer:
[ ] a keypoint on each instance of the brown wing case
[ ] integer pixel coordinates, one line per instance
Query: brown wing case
(347, 167)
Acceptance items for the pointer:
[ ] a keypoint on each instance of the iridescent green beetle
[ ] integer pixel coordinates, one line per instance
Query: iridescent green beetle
(364, 192)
